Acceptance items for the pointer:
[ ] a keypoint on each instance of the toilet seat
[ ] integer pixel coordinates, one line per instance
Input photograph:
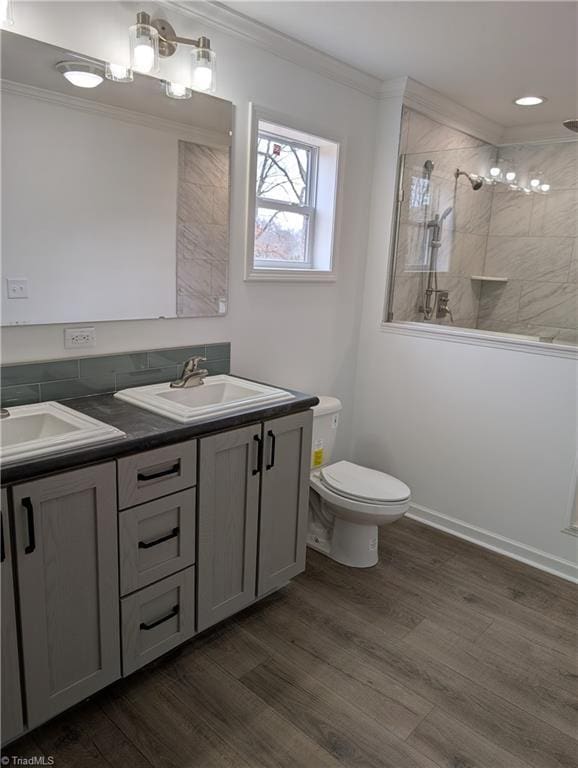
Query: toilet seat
(363, 512)
(361, 484)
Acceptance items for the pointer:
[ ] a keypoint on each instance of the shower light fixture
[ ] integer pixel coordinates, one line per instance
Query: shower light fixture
(176, 90)
(118, 73)
(151, 38)
(529, 101)
(82, 74)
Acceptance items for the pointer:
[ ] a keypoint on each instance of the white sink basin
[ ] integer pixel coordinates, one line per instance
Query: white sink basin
(38, 430)
(217, 395)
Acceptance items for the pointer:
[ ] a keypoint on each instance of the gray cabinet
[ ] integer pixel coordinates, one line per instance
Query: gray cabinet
(12, 720)
(228, 513)
(252, 513)
(284, 500)
(67, 565)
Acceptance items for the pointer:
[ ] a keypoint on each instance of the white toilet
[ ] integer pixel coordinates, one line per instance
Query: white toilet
(347, 502)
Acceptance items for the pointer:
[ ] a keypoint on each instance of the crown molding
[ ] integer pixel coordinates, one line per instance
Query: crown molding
(238, 25)
(537, 133)
(444, 110)
(182, 130)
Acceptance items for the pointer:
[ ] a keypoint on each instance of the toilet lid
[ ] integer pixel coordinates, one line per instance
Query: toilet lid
(355, 482)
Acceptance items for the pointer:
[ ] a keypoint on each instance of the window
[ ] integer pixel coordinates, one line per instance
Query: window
(292, 208)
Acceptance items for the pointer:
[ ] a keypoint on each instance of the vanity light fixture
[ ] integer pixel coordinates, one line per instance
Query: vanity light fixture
(529, 101)
(495, 173)
(6, 12)
(118, 73)
(82, 74)
(177, 90)
(151, 38)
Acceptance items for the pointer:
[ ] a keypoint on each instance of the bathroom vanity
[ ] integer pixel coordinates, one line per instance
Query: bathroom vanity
(114, 554)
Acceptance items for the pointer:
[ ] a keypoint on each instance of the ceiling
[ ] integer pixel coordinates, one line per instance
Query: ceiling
(480, 54)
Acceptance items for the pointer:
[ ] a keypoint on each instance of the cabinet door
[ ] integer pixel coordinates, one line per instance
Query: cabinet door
(284, 500)
(12, 722)
(228, 523)
(67, 558)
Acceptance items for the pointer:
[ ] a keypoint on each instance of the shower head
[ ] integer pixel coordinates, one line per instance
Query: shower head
(476, 181)
(572, 125)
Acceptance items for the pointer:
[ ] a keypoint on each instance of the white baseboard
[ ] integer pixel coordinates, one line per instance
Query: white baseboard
(514, 549)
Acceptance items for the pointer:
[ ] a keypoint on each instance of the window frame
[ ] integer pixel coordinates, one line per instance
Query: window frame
(307, 210)
(324, 266)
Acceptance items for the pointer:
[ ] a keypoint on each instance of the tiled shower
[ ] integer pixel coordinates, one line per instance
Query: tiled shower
(507, 259)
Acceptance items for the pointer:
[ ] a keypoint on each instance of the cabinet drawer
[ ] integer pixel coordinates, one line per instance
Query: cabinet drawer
(157, 618)
(156, 539)
(152, 474)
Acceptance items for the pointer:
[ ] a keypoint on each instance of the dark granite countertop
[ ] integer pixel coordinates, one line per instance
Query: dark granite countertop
(144, 430)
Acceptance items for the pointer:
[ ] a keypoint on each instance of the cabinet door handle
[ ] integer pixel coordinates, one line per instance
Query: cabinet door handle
(27, 504)
(273, 439)
(173, 612)
(142, 477)
(2, 550)
(259, 442)
(154, 542)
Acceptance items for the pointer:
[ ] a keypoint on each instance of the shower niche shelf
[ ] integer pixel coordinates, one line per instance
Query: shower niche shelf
(488, 279)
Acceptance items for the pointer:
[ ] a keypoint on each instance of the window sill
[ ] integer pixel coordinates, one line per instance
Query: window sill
(290, 276)
(482, 338)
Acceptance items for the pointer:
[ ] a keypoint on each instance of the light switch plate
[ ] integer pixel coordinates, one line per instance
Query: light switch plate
(75, 338)
(17, 287)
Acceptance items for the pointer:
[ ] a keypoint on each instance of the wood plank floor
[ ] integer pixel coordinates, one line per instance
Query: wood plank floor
(444, 655)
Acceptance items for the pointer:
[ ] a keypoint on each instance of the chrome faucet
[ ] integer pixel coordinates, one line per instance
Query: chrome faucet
(192, 375)
(4, 413)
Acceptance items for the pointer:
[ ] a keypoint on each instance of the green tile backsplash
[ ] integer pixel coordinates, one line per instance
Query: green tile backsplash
(62, 379)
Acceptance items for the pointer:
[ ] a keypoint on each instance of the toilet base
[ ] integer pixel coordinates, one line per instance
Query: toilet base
(350, 544)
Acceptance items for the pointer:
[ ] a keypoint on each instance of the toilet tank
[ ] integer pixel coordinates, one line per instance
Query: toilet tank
(325, 423)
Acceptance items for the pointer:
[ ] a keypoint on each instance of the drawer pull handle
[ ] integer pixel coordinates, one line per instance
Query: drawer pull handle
(273, 439)
(154, 542)
(31, 546)
(259, 442)
(172, 613)
(144, 477)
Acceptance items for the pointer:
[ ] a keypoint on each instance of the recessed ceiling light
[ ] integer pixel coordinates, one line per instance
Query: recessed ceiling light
(529, 101)
(81, 74)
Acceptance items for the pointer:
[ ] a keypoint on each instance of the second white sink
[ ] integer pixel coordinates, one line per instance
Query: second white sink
(38, 430)
(215, 396)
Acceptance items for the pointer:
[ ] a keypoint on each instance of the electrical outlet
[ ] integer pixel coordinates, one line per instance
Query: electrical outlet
(79, 337)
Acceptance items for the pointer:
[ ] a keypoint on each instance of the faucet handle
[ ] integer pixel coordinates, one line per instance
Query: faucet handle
(192, 365)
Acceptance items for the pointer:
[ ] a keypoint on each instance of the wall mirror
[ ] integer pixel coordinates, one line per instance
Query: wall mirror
(115, 199)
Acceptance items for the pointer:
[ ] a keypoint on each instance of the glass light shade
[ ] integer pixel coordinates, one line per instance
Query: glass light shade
(83, 79)
(177, 91)
(544, 187)
(118, 73)
(82, 74)
(203, 70)
(6, 12)
(144, 48)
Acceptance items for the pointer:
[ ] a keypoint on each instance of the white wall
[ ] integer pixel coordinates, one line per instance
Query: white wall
(301, 336)
(483, 436)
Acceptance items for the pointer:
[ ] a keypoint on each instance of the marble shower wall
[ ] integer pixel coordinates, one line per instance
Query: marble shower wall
(465, 230)
(202, 230)
(533, 242)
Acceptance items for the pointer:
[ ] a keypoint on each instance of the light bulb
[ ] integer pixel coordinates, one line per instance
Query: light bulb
(118, 73)
(203, 78)
(203, 63)
(535, 183)
(510, 175)
(144, 57)
(177, 91)
(545, 187)
(82, 74)
(495, 172)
